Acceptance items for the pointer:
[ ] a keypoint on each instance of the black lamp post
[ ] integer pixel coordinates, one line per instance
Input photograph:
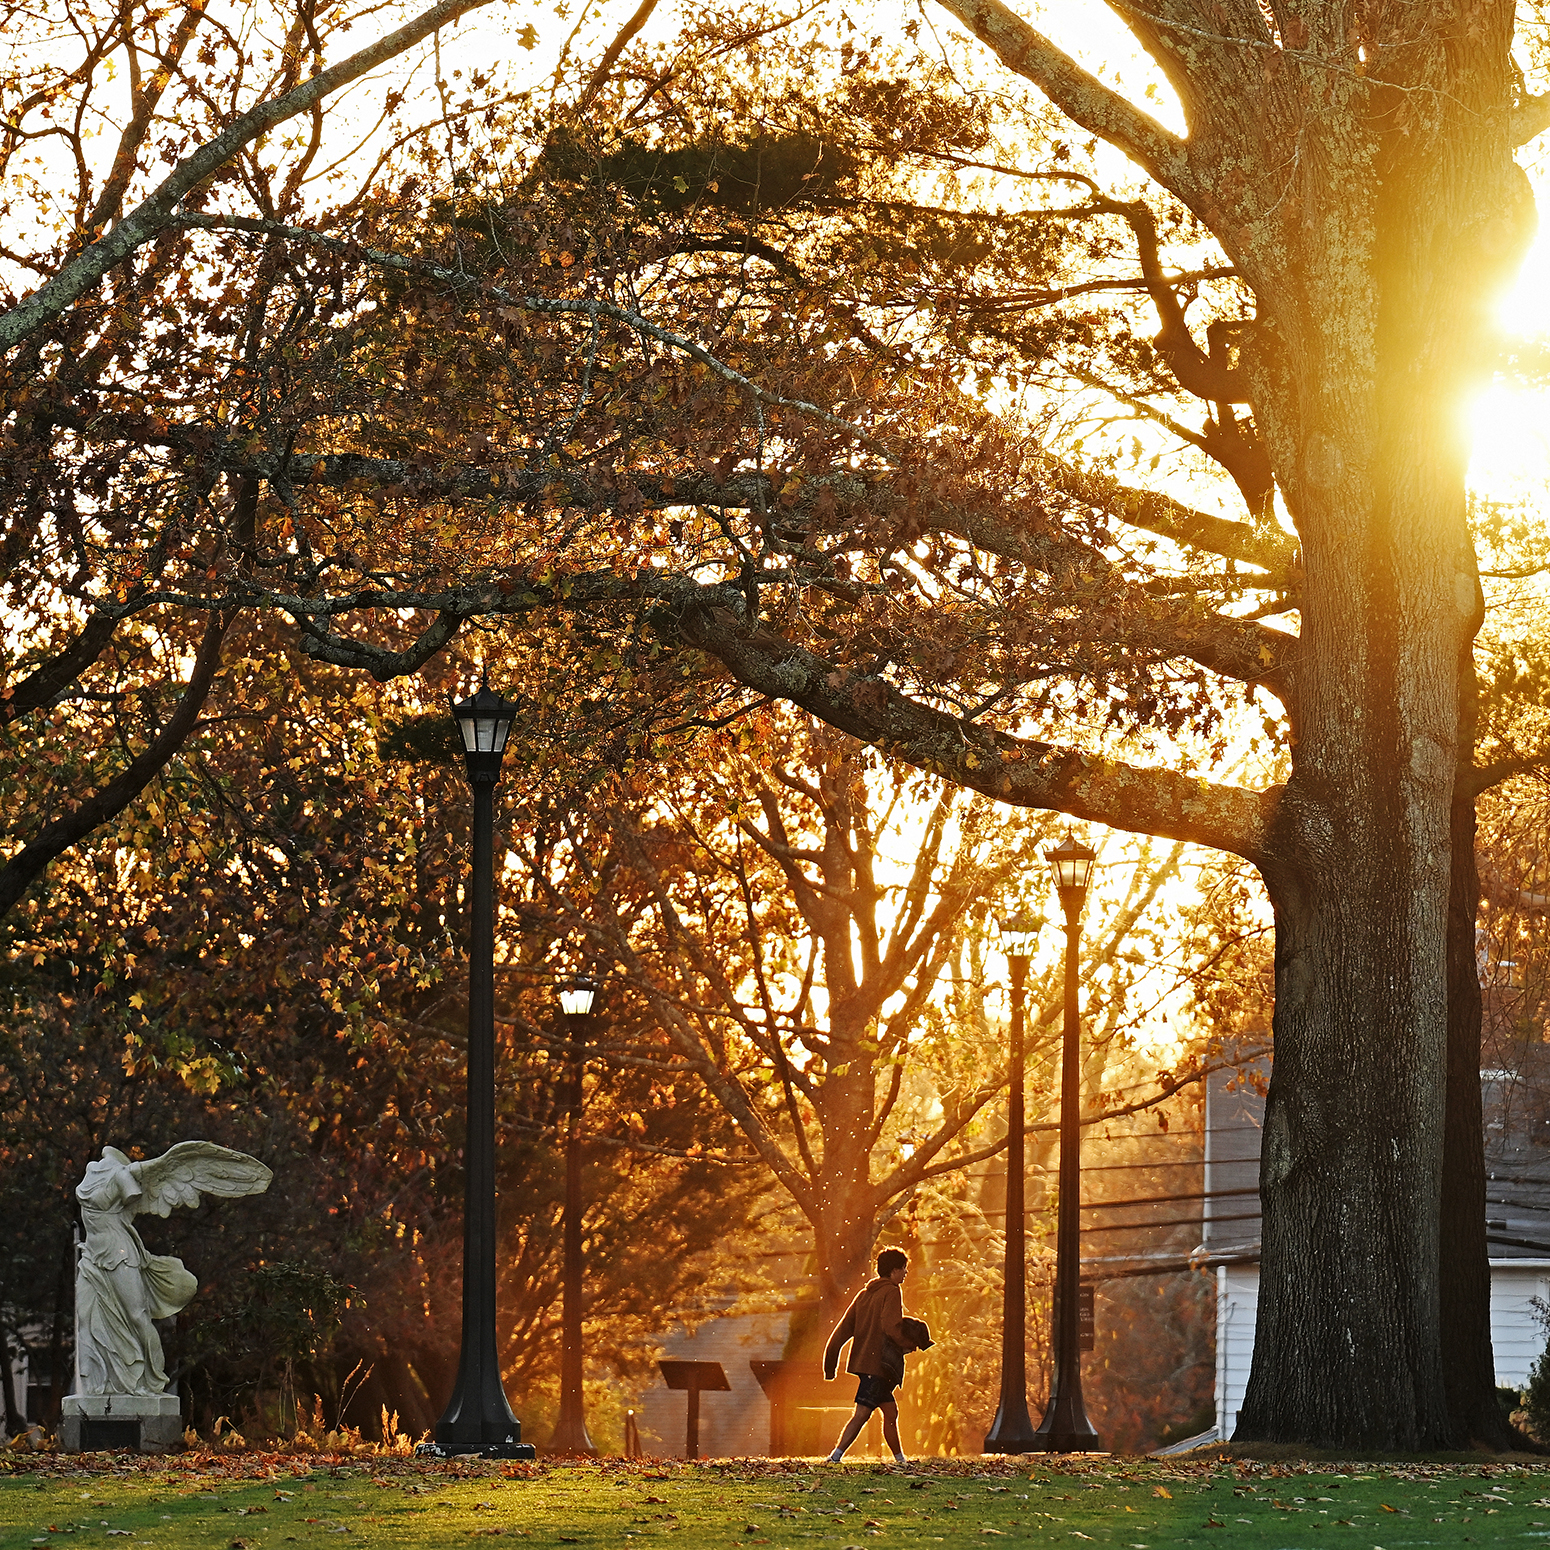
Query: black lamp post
(570, 1431)
(1065, 1427)
(478, 1418)
(1012, 1431)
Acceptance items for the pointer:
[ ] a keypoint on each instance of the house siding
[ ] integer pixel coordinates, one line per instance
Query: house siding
(1237, 1312)
(1517, 1338)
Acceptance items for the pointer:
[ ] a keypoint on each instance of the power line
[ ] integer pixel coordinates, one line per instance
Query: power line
(1178, 1221)
(1149, 1200)
(1518, 1243)
(1182, 1135)
(1163, 1200)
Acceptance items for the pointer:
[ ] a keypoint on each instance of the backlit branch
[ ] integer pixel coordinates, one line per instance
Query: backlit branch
(1020, 771)
(1080, 96)
(1236, 648)
(1262, 545)
(54, 839)
(155, 213)
(559, 306)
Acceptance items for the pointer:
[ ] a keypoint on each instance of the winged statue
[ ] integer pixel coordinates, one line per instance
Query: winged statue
(120, 1287)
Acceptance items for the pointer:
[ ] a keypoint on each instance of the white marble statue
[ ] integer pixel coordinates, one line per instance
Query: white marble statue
(120, 1287)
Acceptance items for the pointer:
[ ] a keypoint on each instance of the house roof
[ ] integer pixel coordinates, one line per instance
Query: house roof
(1517, 1145)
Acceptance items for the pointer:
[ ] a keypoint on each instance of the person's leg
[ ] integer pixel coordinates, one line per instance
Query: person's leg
(852, 1431)
(891, 1429)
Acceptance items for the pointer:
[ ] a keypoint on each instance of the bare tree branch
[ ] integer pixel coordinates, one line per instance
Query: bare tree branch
(1025, 773)
(40, 688)
(1080, 96)
(156, 212)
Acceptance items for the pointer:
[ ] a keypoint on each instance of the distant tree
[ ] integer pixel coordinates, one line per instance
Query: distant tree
(813, 937)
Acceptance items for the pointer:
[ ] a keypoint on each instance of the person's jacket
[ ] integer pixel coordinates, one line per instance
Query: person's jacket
(876, 1316)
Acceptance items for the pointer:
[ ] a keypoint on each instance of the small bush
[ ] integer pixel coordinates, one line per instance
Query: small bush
(1536, 1394)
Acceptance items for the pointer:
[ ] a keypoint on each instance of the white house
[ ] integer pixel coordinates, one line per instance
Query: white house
(1517, 1226)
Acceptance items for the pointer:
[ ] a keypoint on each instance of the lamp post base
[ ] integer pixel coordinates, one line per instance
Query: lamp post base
(483, 1450)
(1069, 1444)
(1065, 1429)
(1012, 1431)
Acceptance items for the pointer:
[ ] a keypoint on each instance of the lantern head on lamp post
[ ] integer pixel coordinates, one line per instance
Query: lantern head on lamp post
(484, 720)
(577, 997)
(1073, 865)
(1073, 868)
(1065, 1427)
(1020, 936)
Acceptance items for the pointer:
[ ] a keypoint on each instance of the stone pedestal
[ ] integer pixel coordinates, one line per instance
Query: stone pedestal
(140, 1423)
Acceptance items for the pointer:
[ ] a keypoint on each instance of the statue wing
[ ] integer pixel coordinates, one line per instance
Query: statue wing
(179, 1176)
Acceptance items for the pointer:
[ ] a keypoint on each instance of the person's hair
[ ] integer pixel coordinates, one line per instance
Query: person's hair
(890, 1260)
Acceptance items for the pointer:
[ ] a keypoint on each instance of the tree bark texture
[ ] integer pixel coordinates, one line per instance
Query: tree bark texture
(1469, 1370)
(1361, 358)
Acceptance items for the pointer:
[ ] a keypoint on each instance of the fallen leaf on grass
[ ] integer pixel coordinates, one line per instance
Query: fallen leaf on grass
(1162, 1490)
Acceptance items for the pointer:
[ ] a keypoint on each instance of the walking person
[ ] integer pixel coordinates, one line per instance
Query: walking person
(879, 1335)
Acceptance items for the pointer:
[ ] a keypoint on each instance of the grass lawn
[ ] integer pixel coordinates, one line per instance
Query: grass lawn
(270, 1501)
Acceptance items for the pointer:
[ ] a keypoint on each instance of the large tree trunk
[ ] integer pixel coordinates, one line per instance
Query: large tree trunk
(1468, 1366)
(845, 1227)
(1347, 1346)
(1469, 1369)
(1382, 339)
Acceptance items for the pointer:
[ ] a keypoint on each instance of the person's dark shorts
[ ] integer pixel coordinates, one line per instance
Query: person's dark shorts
(874, 1390)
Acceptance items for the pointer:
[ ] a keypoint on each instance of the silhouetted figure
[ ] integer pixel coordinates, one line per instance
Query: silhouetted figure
(879, 1335)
